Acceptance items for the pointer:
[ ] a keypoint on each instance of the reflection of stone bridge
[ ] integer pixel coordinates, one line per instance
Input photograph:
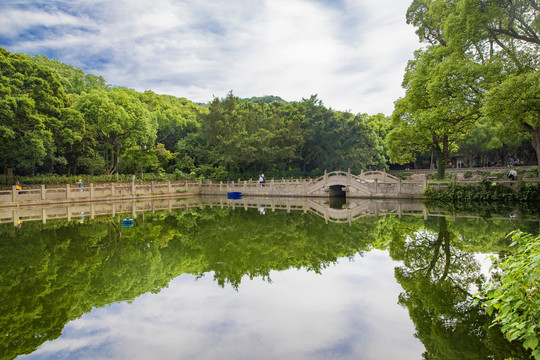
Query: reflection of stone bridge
(372, 184)
(347, 212)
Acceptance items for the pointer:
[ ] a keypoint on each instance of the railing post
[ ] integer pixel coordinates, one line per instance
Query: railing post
(91, 190)
(349, 175)
(43, 192)
(68, 192)
(112, 189)
(376, 186)
(133, 188)
(152, 187)
(325, 176)
(169, 188)
(14, 194)
(399, 186)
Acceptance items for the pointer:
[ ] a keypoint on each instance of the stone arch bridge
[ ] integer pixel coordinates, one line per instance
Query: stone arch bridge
(371, 184)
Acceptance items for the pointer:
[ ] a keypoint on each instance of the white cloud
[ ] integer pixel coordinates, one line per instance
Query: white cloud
(351, 53)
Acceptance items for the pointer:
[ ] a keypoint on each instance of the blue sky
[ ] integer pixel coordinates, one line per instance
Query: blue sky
(352, 53)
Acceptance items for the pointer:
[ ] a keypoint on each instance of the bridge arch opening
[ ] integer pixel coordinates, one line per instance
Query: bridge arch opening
(337, 191)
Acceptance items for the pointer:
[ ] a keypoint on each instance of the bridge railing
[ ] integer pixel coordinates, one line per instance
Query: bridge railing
(379, 175)
(71, 192)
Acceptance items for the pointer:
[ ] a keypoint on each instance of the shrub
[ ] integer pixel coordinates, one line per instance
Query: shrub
(514, 294)
(484, 192)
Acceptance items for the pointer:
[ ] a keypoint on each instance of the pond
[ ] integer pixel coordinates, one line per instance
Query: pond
(212, 278)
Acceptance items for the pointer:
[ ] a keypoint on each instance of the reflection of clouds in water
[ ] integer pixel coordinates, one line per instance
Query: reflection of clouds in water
(350, 311)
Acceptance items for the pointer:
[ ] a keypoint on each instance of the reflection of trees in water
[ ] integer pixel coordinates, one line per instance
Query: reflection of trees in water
(52, 273)
(437, 278)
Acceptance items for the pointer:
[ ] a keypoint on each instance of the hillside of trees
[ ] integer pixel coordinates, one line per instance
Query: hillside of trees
(57, 119)
(472, 98)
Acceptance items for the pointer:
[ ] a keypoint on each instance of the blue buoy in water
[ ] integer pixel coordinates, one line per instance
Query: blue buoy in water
(128, 222)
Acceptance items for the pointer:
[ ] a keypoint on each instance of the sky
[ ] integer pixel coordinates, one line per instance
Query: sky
(351, 53)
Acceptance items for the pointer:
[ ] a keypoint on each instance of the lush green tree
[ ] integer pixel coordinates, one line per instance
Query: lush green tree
(36, 122)
(117, 119)
(479, 143)
(242, 135)
(73, 80)
(442, 102)
(335, 140)
(488, 32)
(381, 125)
(176, 117)
(516, 104)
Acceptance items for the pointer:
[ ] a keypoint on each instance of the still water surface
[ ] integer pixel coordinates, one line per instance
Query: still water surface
(234, 282)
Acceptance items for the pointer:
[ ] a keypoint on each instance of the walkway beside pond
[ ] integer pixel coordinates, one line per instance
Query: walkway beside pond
(371, 184)
(353, 210)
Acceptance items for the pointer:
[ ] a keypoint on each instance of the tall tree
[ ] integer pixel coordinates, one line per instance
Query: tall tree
(502, 31)
(116, 119)
(443, 99)
(35, 114)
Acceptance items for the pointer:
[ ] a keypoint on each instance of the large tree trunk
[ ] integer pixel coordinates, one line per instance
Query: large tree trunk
(535, 134)
(441, 166)
(107, 168)
(442, 158)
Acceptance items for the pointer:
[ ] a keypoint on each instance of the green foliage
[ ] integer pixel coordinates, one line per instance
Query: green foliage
(74, 81)
(514, 295)
(499, 40)
(486, 191)
(37, 125)
(442, 102)
(438, 272)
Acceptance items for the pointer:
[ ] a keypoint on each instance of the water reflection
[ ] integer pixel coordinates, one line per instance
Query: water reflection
(301, 315)
(272, 301)
(338, 210)
(437, 276)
